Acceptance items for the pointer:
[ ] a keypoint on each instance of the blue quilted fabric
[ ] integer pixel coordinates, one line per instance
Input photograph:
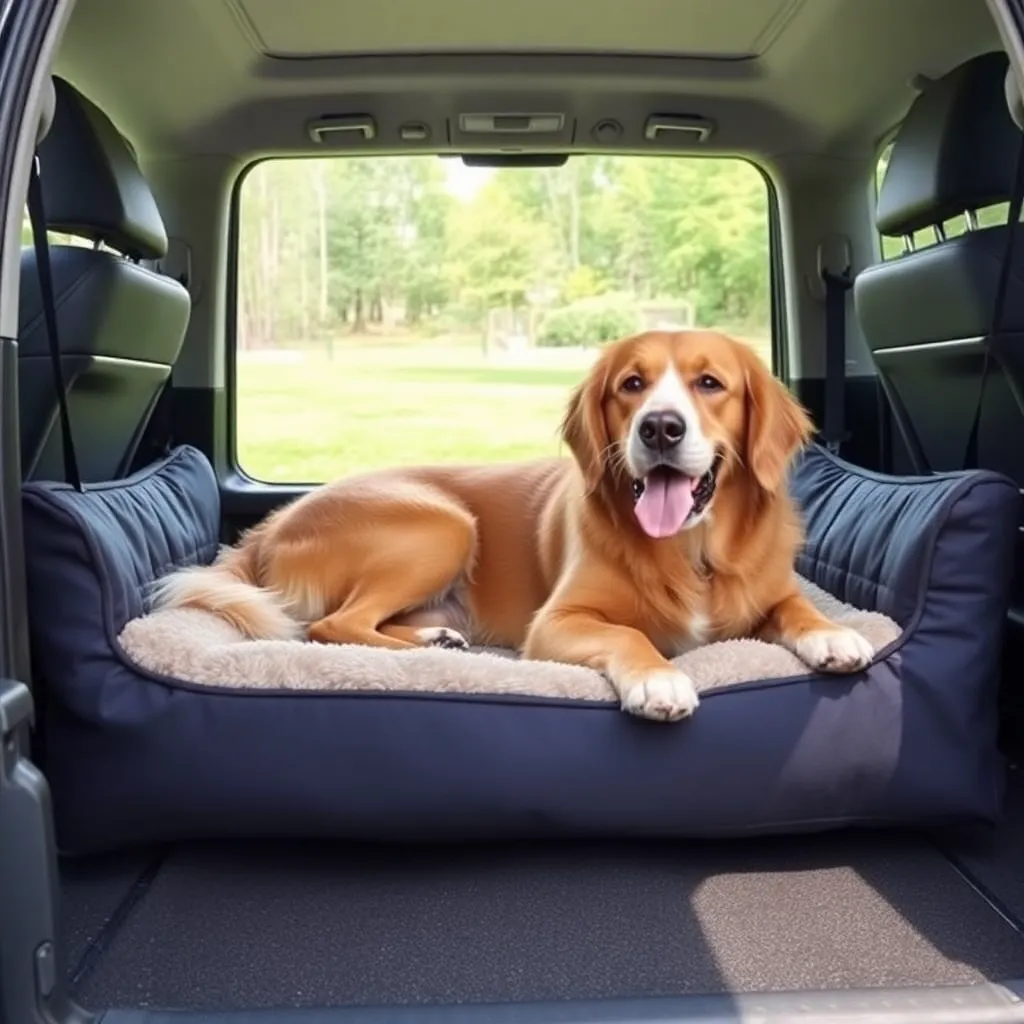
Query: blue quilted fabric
(134, 758)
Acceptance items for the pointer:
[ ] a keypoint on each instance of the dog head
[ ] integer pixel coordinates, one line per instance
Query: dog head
(673, 414)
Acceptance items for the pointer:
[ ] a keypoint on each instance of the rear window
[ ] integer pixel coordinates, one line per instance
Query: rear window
(398, 310)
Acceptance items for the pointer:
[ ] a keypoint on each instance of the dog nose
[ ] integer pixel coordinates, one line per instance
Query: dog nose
(660, 431)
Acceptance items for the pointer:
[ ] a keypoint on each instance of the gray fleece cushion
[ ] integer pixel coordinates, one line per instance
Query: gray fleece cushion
(198, 647)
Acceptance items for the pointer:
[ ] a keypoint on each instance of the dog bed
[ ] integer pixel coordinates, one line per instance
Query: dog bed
(199, 647)
(144, 743)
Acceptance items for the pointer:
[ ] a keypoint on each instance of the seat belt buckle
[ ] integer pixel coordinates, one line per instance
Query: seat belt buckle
(833, 444)
(834, 265)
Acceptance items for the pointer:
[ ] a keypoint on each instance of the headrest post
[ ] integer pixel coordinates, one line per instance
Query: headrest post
(908, 244)
(971, 219)
(940, 232)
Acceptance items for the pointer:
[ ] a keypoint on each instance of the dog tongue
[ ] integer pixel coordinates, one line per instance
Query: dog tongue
(665, 503)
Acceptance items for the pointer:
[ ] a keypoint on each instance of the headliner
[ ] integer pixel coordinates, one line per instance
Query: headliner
(244, 77)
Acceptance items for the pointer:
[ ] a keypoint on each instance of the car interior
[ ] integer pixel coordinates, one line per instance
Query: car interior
(886, 137)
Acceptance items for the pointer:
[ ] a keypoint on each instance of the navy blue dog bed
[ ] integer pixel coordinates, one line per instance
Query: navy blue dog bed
(133, 757)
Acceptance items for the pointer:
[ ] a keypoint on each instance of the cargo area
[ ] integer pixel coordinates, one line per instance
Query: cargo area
(215, 926)
(375, 241)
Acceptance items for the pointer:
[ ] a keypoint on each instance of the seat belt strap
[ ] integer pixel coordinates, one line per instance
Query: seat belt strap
(37, 215)
(998, 306)
(836, 288)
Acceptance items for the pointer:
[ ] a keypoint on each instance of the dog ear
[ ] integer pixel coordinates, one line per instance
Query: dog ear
(583, 427)
(777, 425)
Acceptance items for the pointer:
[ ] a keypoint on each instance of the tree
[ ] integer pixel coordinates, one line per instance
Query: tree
(333, 244)
(498, 253)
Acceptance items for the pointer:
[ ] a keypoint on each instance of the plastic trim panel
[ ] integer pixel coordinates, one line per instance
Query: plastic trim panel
(989, 1003)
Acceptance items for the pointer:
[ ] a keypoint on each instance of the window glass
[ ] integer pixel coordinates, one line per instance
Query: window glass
(397, 310)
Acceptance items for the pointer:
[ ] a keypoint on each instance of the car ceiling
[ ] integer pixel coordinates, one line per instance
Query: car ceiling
(246, 77)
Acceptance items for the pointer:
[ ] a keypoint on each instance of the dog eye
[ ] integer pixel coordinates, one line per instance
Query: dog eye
(708, 383)
(634, 382)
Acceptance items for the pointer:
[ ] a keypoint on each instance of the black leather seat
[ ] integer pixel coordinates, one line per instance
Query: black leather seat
(121, 325)
(925, 314)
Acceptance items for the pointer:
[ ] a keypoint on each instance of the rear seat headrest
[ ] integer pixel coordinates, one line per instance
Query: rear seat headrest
(92, 185)
(956, 150)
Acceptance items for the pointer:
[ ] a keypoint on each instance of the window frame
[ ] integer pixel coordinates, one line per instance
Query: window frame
(240, 482)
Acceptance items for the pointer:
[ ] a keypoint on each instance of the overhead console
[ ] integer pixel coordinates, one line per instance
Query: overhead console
(510, 130)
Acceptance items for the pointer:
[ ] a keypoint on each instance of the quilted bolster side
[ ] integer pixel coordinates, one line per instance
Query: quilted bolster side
(92, 555)
(881, 542)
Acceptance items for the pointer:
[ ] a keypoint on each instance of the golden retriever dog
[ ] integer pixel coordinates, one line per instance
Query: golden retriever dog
(670, 527)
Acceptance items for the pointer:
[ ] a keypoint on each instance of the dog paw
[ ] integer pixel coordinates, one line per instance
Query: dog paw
(834, 650)
(442, 636)
(665, 695)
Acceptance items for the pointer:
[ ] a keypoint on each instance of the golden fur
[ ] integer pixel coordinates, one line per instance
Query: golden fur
(547, 556)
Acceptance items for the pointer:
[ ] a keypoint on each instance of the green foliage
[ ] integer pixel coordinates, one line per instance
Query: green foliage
(346, 245)
(592, 321)
(584, 282)
(497, 254)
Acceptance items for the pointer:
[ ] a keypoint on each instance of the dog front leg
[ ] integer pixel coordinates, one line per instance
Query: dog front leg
(817, 641)
(648, 685)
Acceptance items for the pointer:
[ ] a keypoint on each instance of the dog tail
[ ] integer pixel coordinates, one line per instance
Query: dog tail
(229, 588)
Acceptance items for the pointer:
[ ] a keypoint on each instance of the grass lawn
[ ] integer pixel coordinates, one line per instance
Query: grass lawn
(305, 419)
(381, 402)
